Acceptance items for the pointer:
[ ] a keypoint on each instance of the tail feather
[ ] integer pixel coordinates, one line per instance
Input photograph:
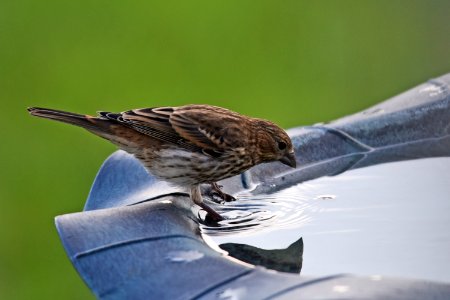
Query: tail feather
(94, 124)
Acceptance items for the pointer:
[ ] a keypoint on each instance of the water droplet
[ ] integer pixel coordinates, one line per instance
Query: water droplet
(325, 197)
(432, 90)
(184, 256)
(340, 288)
(233, 294)
(376, 277)
(373, 111)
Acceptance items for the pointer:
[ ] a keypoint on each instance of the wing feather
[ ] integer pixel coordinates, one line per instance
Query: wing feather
(211, 127)
(200, 128)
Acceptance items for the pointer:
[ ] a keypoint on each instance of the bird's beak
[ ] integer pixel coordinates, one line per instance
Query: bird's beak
(289, 160)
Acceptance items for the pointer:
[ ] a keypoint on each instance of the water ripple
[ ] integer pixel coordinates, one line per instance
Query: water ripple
(285, 209)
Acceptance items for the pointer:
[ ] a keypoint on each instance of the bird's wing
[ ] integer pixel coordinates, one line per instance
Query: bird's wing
(153, 122)
(210, 127)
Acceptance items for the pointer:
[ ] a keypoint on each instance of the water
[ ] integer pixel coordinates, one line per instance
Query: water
(184, 256)
(385, 220)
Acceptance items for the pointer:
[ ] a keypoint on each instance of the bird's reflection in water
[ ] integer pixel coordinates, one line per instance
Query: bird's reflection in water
(284, 260)
(261, 213)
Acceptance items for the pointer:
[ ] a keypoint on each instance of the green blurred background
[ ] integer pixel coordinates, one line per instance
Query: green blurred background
(294, 62)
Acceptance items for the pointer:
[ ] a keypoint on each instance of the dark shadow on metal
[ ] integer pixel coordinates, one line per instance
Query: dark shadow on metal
(125, 246)
(284, 260)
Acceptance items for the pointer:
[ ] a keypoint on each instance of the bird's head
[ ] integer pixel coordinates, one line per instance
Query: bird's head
(273, 144)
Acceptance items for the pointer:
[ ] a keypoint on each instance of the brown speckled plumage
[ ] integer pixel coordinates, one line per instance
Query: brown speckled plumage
(187, 145)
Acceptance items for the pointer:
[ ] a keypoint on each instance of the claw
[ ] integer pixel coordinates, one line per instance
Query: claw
(218, 191)
(215, 216)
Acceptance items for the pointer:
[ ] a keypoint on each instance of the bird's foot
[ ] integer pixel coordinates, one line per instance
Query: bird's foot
(217, 191)
(212, 214)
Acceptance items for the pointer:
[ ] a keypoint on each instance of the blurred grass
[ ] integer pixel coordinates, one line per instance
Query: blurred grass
(294, 62)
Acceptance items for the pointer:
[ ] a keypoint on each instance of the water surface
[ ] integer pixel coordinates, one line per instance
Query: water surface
(385, 220)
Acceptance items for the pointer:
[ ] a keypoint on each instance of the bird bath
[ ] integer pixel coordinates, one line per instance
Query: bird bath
(370, 198)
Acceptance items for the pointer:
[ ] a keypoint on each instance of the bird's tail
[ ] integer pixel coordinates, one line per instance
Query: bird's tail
(94, 124)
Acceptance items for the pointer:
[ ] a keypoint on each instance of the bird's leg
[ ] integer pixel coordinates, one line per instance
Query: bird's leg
(217, 189)
(196, 196)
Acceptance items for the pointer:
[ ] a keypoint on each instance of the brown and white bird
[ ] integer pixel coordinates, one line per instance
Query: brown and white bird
(188, 145)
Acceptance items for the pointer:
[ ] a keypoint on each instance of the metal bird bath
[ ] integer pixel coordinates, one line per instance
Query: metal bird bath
(139, 238)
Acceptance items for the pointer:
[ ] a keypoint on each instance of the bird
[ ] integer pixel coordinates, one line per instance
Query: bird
(187, 145)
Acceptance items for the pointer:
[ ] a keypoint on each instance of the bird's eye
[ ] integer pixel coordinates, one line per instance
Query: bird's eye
(281, 145)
